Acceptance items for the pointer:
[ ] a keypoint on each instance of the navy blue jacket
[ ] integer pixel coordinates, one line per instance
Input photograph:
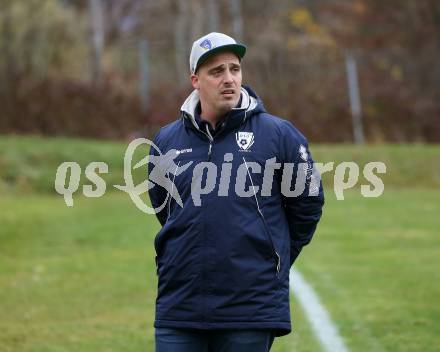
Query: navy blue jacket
(225, 263)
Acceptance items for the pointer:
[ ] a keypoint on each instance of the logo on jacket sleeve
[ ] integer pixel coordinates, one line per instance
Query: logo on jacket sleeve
(303, 153)
(244, 140)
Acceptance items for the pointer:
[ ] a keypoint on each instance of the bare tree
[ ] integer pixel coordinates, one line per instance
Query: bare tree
(144, 81)
(197, 18)
(97, 26)
(180, 41)
(237, 19)
(8, 68)
(213, 16)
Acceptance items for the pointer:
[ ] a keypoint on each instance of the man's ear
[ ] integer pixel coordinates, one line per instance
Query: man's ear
(195, 81)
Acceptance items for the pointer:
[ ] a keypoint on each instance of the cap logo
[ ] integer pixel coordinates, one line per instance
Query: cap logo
(206, 44)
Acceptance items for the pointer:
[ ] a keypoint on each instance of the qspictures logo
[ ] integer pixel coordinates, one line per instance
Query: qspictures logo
(301, 179)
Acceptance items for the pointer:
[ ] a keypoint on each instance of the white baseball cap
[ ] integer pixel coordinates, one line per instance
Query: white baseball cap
(210, 44)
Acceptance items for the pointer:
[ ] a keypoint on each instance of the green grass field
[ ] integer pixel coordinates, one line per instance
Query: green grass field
(83, 278)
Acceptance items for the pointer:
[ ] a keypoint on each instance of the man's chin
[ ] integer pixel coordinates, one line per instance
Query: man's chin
(225, 108)
(229, 104)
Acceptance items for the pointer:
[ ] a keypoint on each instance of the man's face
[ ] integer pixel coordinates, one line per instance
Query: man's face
(219, 81)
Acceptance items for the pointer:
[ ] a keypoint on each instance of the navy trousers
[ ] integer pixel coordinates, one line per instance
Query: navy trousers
(224, 340)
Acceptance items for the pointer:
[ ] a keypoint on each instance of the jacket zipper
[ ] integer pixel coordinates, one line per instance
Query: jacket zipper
(266, 227)
(207, 134)
(211, 140)
(172, 191)
(205, 284)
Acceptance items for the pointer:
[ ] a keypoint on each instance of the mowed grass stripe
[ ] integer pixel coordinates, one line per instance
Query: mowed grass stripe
(29, 164)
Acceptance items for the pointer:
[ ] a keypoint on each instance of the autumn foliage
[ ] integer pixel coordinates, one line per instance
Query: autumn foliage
(60, 78)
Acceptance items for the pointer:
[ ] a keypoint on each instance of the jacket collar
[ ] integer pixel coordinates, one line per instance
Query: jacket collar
(235, 117)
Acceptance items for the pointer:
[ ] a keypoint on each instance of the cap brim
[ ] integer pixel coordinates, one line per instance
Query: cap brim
(237, 49)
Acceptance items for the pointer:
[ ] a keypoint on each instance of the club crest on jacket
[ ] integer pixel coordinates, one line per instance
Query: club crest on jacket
(244, 140)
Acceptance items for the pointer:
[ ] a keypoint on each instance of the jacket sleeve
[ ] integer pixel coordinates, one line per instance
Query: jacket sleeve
(157, 193)
(303, 211)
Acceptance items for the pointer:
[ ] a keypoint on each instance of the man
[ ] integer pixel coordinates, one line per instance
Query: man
(224, 253)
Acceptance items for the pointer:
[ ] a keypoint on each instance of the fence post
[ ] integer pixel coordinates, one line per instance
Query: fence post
(355, 100)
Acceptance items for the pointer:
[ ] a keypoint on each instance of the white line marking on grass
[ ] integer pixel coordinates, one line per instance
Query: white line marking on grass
(320, 320)
(351, 312)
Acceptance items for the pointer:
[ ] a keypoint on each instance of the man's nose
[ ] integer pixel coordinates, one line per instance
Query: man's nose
(228, 76)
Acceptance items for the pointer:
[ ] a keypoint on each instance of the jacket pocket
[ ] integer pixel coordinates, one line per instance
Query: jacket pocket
(276, 255)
